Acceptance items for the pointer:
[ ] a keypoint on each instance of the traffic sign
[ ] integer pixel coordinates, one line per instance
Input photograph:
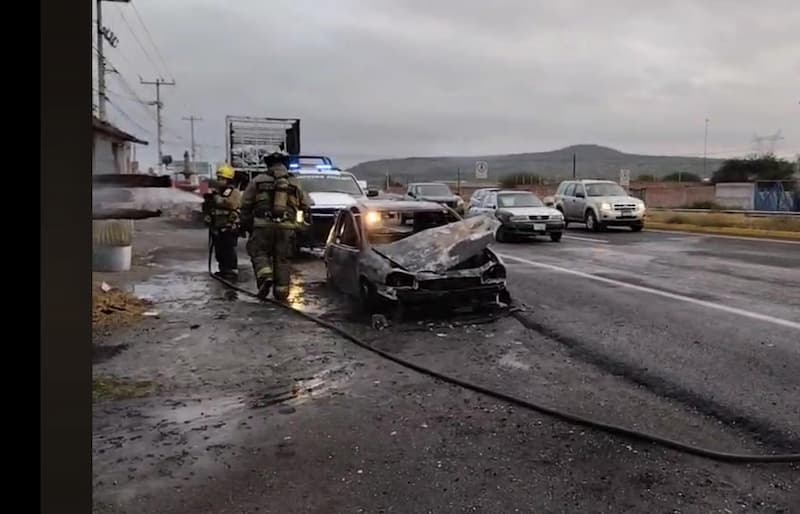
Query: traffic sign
(481, 170)
(625, 178)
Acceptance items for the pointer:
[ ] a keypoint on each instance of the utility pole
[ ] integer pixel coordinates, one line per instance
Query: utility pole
(705, 149)
(101, 61)
(191, 120)
(159, 105)
(574, 162)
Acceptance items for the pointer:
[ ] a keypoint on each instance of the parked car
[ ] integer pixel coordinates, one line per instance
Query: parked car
(521, 214)
(599, 204)
(435, 192)
(373, 255)
(477, 196)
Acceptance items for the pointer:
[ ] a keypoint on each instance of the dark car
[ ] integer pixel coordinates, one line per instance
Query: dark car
(435, 192)
(374, 256)
(521, 214)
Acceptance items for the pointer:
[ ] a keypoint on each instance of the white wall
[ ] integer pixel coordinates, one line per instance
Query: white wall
(110, 157)
(736, 195)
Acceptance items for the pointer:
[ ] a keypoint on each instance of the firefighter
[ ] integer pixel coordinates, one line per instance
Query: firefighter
(221, 208)
(274, 206)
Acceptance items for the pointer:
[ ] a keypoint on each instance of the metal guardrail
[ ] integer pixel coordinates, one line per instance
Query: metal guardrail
(728, 211)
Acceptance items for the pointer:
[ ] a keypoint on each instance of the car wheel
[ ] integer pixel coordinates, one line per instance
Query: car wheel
(592, 223)
(555, 236)
(637, 227)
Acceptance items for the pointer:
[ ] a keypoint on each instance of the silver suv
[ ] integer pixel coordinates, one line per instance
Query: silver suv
(599, 204)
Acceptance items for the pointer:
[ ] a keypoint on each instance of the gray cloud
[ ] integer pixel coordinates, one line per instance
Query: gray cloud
(374, 79)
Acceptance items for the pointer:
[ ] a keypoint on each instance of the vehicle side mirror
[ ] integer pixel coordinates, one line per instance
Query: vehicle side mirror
(371, 193)
(580, 195)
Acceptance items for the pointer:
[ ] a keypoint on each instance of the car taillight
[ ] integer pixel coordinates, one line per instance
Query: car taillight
(396, 279)
(496, 271)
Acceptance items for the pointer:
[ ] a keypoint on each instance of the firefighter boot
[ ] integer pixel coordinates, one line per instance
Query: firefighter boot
(264, 282)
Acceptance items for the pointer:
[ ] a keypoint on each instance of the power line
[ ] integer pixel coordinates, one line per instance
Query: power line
(152, 42)
(129, 118)
(135, 37)
(126, 58)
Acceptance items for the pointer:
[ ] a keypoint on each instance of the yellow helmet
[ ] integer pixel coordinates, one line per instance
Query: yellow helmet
(226, 172)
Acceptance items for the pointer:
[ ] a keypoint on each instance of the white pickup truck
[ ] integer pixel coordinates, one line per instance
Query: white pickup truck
(331, 190)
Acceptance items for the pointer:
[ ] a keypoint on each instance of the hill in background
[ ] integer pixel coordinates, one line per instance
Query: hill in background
(593, 161)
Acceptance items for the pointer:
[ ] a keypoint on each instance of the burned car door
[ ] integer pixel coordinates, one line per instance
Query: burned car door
(343, 252)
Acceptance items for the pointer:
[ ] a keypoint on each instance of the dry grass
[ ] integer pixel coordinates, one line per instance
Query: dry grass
(772, 223)
(115, 308)
(109, 388)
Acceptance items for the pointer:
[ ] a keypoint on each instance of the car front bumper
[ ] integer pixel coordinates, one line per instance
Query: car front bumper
(486, 293)
(533, 228)
(615, 218)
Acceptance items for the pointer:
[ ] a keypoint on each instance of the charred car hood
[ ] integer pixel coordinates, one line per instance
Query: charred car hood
(439, 249)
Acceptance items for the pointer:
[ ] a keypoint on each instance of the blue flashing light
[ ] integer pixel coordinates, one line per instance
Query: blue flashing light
(294, 166)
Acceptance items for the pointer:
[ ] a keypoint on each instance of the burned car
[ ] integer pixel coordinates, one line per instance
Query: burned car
(374, 254)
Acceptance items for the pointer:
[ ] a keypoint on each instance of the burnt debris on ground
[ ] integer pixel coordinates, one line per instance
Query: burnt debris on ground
(114, 308)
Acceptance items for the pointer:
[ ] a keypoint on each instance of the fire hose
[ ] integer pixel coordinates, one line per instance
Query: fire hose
(526, 404)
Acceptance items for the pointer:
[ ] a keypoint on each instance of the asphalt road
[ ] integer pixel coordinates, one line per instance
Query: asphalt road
(710, 322)
(254, 410)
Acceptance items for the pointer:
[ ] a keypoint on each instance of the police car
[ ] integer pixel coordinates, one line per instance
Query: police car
(330, 189)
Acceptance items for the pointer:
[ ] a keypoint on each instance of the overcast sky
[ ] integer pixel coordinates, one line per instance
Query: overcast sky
(396, 78)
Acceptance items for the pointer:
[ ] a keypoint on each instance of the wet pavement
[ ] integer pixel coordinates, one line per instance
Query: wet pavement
(257, 410)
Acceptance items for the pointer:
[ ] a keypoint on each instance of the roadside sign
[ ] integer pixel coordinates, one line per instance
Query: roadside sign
(624, 178)
(481, 170)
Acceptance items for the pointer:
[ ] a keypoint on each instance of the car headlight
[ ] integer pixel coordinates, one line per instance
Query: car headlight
(605, 206)
(640, 207)
(557, 217)
(518, 218)
(372, 218)
(496, 271)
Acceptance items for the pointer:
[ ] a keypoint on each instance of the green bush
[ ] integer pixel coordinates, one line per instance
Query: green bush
(754, 167)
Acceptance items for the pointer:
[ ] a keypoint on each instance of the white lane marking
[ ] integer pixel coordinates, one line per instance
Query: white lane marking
(723, 236)
(590, 239)
(665, 294)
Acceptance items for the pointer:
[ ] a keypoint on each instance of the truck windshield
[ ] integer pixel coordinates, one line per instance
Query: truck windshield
(605, 189)
(330, 184)
(518, 200)
(434, 190)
